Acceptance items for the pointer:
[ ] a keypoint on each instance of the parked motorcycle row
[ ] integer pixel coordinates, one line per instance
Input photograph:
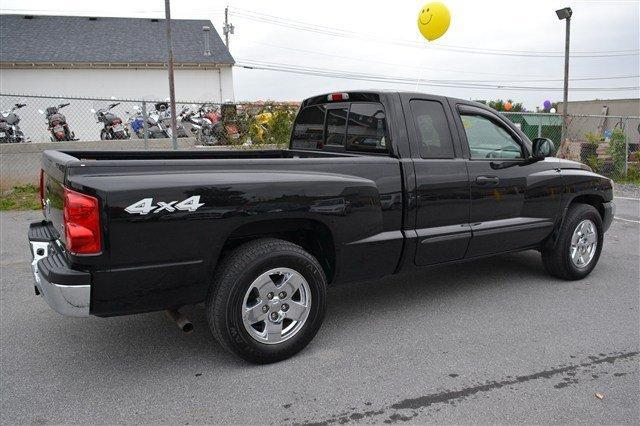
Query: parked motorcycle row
(57, 125)
(209, 123)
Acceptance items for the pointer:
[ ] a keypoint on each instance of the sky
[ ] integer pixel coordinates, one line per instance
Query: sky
(511, 49)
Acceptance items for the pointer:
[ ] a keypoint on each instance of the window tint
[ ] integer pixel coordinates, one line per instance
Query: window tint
(309, 127)
(367, 128)
(432, 129)
(336, 127)
(359, 126)
(488, 139)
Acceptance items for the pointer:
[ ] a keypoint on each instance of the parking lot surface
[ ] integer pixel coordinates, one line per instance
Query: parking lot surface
(495, 340)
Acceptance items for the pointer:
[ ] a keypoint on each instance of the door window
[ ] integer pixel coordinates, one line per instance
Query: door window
(432, 129)
(488, 139)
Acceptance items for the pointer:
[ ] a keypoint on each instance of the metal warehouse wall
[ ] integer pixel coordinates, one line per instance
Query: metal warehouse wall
(619, 107)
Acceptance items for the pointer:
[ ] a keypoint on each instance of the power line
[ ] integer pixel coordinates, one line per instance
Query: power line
(266, 66)
(542, 79)
(318, 26)
(299, 25)
(315, 52)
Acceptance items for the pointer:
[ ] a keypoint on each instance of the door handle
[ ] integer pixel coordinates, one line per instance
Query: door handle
(487, 180)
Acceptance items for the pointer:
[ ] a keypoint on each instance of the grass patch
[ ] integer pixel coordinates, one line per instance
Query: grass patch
(628, 181)
(26, 197)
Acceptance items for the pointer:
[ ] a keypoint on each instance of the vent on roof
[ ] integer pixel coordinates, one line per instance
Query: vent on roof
(93, 18)
(154, 20)
(207, 49)
(28, 16)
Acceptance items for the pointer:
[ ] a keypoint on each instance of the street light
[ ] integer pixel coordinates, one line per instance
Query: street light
(565, 13)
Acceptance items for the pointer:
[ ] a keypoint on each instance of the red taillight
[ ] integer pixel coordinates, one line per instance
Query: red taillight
(81, 223)
(42, 188)
(338, 97)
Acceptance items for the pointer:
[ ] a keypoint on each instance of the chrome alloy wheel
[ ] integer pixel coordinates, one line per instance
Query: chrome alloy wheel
(584, 243)
(276, 305)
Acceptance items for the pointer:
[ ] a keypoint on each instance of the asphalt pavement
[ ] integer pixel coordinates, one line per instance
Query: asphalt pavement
(495, 340)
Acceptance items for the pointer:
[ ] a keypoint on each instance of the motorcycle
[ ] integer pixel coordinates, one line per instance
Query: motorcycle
(57, 124)
(136, 121)
(159, 122)
(113, 127)
(10, 132)
(204, 124)
(221, 128)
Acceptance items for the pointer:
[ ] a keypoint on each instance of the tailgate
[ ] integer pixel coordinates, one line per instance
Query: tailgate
(54, 167)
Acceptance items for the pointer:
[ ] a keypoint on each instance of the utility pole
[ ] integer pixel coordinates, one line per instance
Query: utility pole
(565, 14)
(172, 91)
(228, 28)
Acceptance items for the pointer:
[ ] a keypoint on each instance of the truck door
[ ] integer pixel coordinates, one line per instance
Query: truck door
(513, 203)
(441, 199)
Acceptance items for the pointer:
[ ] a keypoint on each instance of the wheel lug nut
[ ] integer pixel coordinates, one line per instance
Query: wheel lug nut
(285, 307)
(265, 309)
(269, 296)
(274, 316)
(282, 295)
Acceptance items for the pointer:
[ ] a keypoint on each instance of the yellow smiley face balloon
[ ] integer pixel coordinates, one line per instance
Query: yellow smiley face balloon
(433, 20)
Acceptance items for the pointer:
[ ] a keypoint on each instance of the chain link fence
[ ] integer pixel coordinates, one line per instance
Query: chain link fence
(607, 144)
(129, 124)
(245, 123)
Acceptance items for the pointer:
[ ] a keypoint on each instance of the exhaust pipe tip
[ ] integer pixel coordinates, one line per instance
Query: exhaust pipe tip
(187, 327)
(181, 321)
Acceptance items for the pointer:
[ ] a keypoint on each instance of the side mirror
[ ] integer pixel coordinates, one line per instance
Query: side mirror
(93, 111)
(542, 148)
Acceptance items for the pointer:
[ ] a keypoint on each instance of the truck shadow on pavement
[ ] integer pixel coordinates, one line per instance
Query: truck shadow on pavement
(153, 341)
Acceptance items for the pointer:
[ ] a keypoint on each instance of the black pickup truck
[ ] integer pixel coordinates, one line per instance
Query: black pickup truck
(374, 183)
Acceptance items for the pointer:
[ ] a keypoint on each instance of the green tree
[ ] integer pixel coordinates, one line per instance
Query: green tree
(498, 105)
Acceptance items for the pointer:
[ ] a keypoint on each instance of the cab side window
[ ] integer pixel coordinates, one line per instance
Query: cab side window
(488, 139)
(432, 129)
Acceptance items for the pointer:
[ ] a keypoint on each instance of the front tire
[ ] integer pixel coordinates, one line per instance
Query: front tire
(579, 244)
(267, 300)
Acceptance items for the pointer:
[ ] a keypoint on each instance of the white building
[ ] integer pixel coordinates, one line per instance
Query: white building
(101, 57)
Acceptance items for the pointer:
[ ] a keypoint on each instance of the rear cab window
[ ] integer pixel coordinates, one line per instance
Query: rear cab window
(342, 127)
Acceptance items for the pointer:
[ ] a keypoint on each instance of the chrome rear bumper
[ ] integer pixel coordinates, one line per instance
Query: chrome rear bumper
(49, 265)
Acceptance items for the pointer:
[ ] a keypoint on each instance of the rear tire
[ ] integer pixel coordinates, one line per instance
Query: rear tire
(581, 228)
(254, 280)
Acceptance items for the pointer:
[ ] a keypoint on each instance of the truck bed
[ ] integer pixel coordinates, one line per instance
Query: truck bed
(354, 200)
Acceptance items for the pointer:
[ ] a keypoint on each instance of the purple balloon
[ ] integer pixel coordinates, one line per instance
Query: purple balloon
(547, 104)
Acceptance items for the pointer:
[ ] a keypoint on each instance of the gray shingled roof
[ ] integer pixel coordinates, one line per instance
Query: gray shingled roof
(106, 40)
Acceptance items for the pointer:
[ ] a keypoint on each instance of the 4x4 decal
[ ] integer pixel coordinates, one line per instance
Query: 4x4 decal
(146, 206)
